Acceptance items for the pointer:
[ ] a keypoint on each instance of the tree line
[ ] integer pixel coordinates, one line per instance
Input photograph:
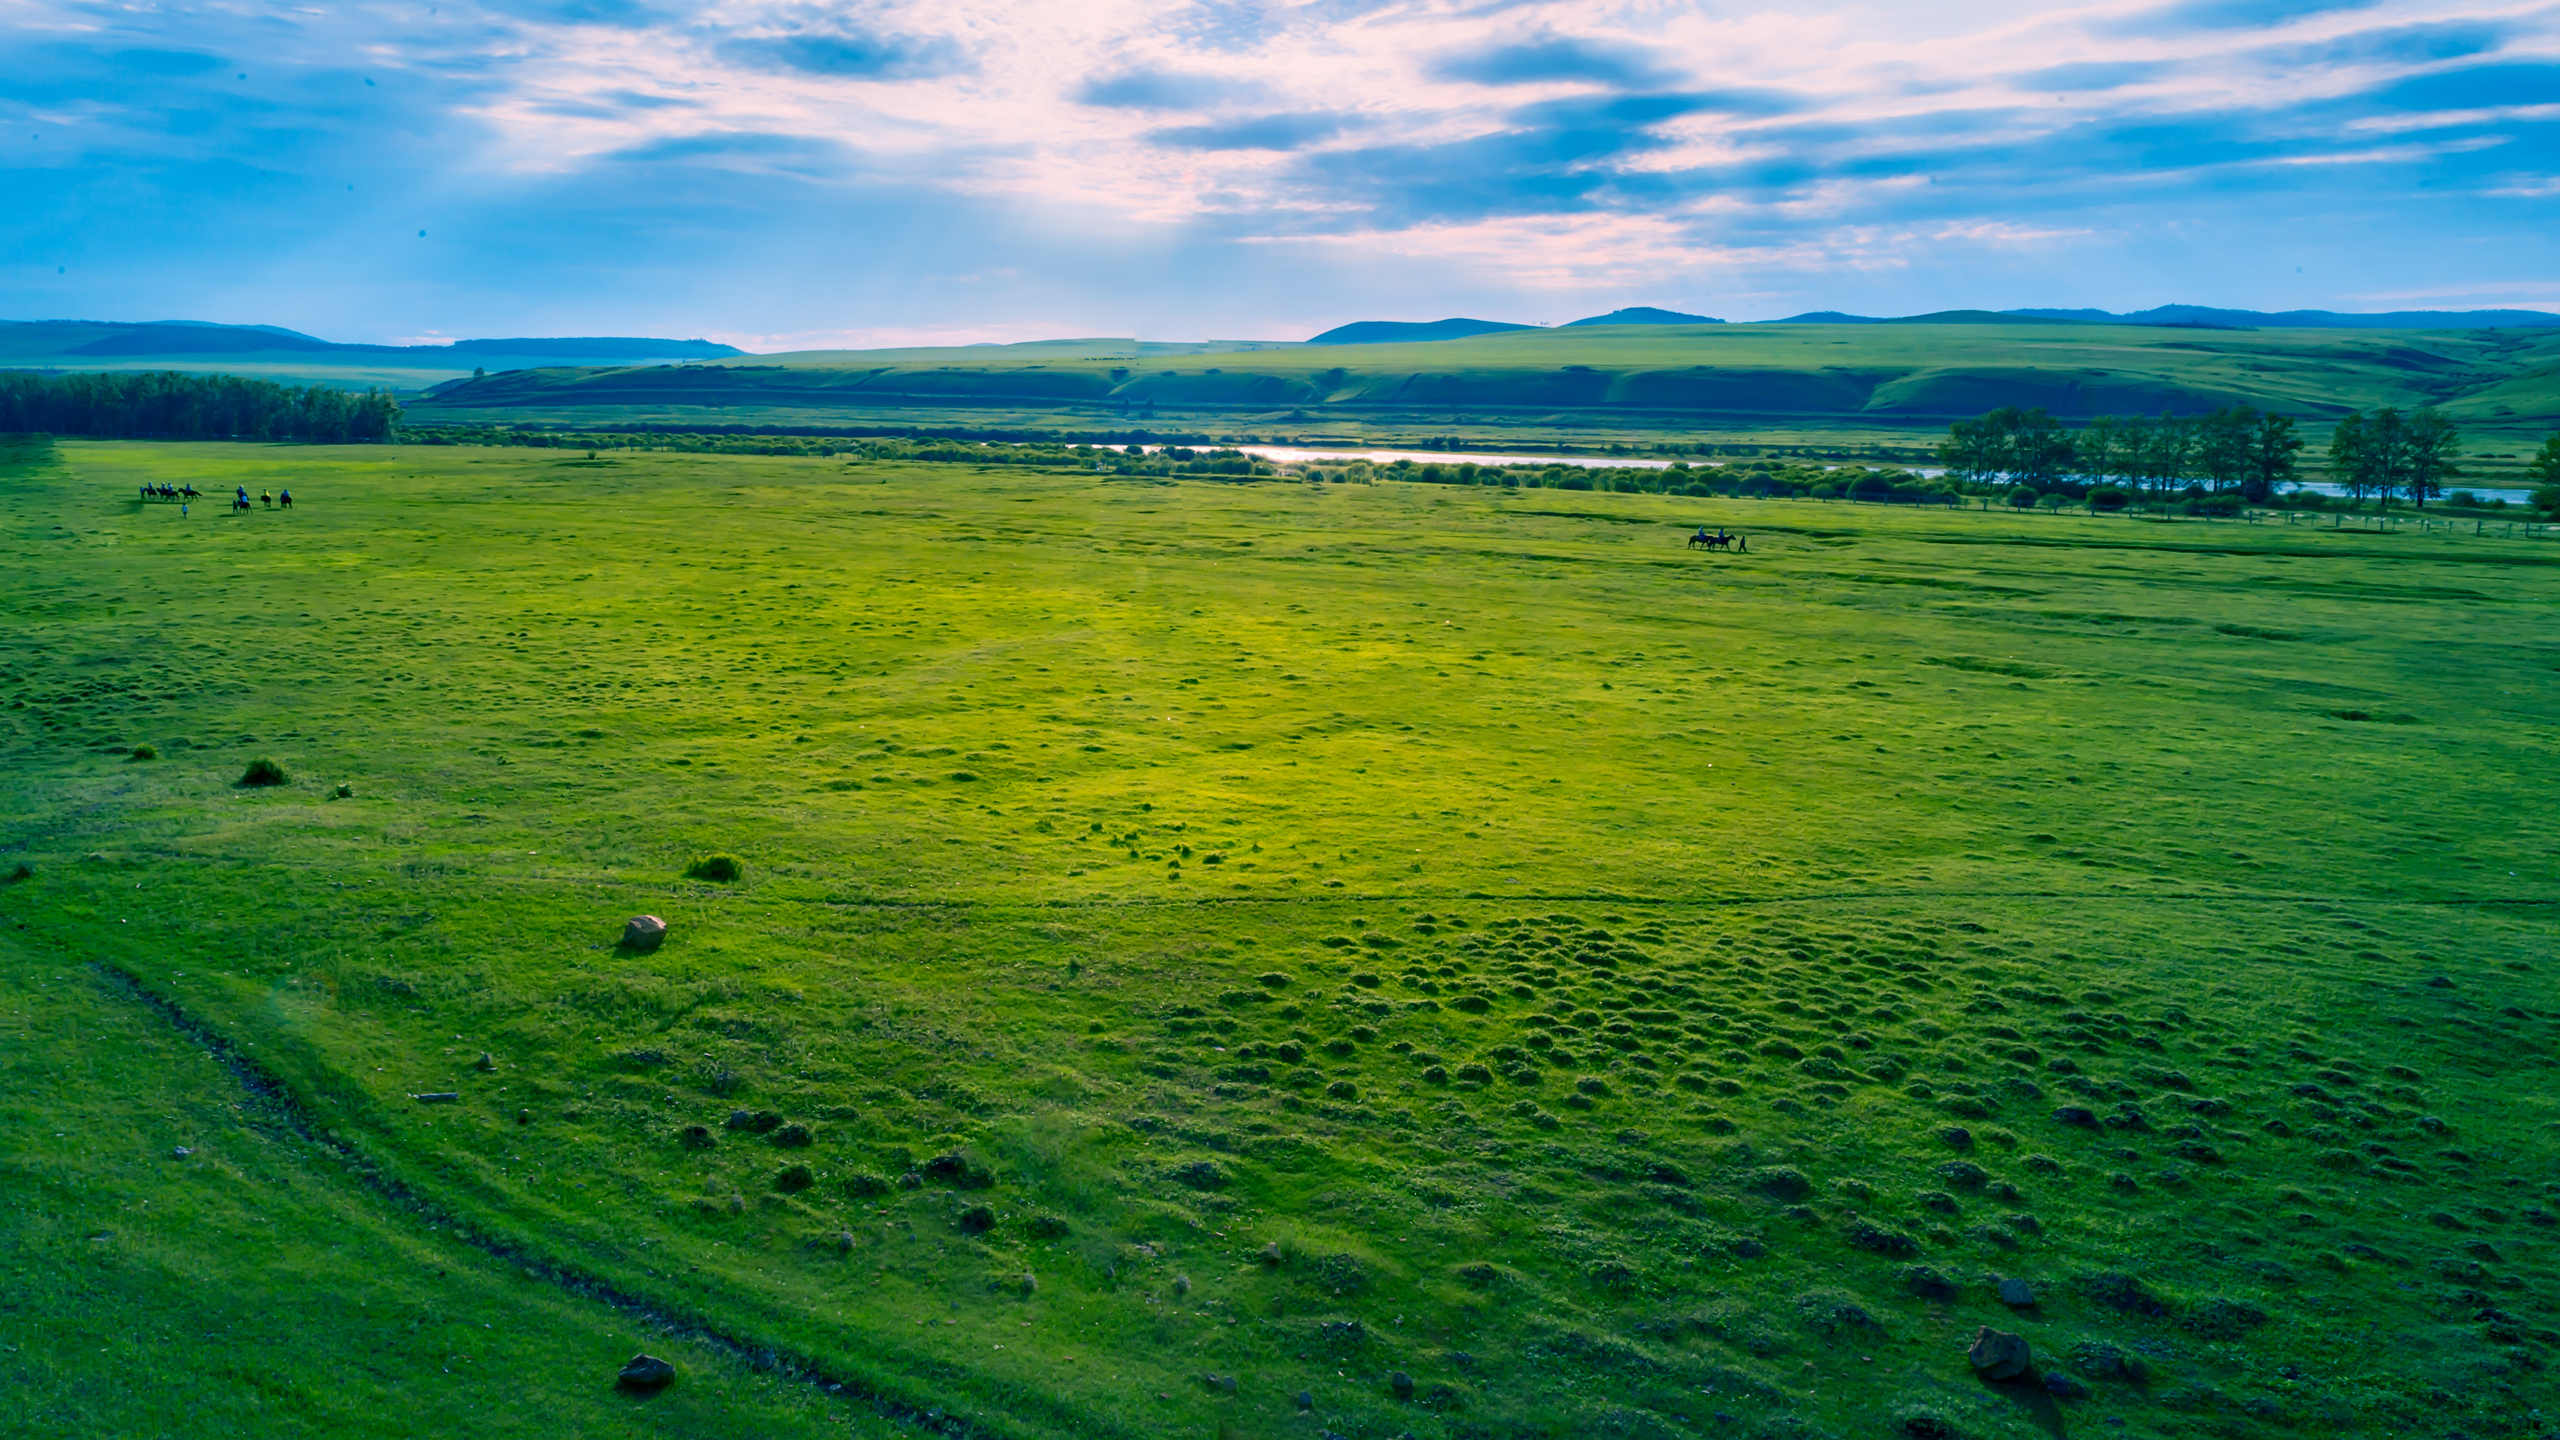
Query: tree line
(164, 405)
(2239, 450)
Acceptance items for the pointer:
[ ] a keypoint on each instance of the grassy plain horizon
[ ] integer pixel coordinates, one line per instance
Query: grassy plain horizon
(1335, 931)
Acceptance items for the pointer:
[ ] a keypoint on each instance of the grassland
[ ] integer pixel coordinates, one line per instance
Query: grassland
(1882, 390)
(1292, 937)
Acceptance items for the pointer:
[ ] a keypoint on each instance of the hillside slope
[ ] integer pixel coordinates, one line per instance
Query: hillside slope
(1918, 373)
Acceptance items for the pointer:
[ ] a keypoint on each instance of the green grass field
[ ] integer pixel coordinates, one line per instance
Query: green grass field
(1206, 951)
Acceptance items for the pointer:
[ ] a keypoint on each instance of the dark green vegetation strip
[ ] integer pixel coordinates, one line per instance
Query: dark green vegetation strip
(2107, 959)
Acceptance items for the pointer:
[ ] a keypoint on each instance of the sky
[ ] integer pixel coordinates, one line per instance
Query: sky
(780, 174)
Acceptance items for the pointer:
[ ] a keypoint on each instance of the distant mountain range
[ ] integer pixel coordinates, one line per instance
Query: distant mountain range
(1404, 332)
(70, 341)
(1385, 332)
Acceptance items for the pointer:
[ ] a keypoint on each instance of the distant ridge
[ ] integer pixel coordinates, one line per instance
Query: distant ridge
(2309, 319)
(1934, 317)
(2202, 317)
(1388, 332)
(111, 339)
(1643, 315)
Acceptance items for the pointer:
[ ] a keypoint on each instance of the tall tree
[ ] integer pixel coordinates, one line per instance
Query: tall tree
(2545, 463)
(2429, 442)
(2271, 448)
(2096, 448)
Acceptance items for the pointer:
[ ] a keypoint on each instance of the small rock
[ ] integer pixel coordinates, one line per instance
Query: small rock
(2076, 1115)
(793, 1137)
(844, 1242)
(1997, 1354)
(181, 1153)
(1181, 1284)
(646, 1372)
(697, 1137)
(437, 1097)
(643, 933)
(1401, 1384)
(2017, 1294)
(2063, 1387)
(1928, 1284)
(1029, 1283)
(525, 1117)
(1957, 1137)
(1306, 1400)
(485, 1063)
(1271, 1253)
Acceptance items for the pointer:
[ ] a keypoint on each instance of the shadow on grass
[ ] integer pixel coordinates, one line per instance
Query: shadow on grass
(2027, 1392)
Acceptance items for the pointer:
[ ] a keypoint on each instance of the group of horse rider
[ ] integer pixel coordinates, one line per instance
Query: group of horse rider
(1721, 540)
(187, 494)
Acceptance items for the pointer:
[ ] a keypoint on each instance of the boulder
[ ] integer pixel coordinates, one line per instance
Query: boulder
(1401, 1384)
(643, 933)
(2017, 1293)
(646, 1372)
(1997, 1354)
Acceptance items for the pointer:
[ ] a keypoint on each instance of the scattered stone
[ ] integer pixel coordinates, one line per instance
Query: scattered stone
(2121, 1292)
(1271, 1254)
(1225, 1384)
(1029, 1284)
(755, 1122)
(1401, 1385)
(911, 1181)
(181, 1153)
(793, 1137)
(1869, 1236)
(646, 1372)
(1181, 1284)
(2064, 1387)
(844, 1242)
(1928, 1284)
(2017, 1294)
(525, 1117)
(643, 933)
(2101, 1361)
(437, 1097)
(696, 1137)
(2220, 1319)
(485, 1063)
(1997, 1354)
(1306, 1399)
(976, 1220)
(2076, 1115)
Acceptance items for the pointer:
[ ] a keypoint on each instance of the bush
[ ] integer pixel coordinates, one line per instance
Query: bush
(263, 772)
(793, 1179)
(145, 752)
(2023, 498)
(723, 868)
(2107, 499)
(2547, 498)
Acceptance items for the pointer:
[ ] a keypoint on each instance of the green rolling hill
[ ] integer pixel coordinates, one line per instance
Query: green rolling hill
(1652, 377)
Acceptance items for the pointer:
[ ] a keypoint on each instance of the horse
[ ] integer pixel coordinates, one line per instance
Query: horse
(240, 502)
(285, 500)
(1720, 541)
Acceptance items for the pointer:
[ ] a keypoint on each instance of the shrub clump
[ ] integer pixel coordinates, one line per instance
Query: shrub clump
(146, 751)
(726, 869)
(262, 772)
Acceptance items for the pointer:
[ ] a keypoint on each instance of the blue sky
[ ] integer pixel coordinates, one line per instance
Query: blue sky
(783, 174)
